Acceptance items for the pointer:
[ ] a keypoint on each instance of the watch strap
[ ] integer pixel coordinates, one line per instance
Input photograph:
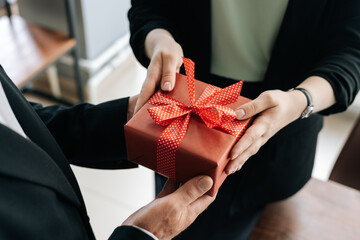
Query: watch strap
(310, 106)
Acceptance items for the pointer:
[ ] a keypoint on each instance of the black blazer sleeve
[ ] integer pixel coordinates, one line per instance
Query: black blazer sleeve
(340, 53)
(128, 232)
(90, 135)
(335, 39)
(146, 15)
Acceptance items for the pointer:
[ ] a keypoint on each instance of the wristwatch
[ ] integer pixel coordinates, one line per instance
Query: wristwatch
(310, 106)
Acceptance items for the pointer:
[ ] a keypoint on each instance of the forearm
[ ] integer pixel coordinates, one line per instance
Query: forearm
(89, 135)
(321, 92)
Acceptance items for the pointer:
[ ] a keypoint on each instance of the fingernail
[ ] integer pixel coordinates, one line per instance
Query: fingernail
(234, 157)
(205, 183)
(166, 86)
(240, 113)
(233, 170)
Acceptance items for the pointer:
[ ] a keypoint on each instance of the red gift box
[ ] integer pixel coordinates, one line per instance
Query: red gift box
(187, 132)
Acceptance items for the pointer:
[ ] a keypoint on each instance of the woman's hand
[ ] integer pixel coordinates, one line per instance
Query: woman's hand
(274, 109)
(165, 61)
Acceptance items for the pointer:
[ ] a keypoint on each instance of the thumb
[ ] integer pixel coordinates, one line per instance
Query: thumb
(252, 108)
(169, 69)
(169, 187)
(193, 189)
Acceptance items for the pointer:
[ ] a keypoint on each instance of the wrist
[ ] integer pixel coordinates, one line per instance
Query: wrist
(309, 102)
(299, 102)
(146, 231)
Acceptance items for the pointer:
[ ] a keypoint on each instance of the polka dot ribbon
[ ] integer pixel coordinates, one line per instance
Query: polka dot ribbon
(175, 116)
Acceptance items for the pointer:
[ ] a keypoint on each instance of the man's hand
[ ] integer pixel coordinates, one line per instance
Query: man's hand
(165, 61)
(131, 106)
(174, 209)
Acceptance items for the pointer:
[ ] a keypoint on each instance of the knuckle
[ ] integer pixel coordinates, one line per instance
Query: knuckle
(241, 160)
(252, 151)
(168, 75)
(256, 146)
(191, 193)
(264, 139)
(166, 54)
(272, 96)
(172, 208)
(254, 134)
(252, 108)
(266, 123)
(253, 137)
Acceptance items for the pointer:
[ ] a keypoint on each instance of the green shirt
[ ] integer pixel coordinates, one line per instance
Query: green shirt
(243, 34)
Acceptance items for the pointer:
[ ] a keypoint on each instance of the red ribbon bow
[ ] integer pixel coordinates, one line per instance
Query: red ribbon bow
(176, 116)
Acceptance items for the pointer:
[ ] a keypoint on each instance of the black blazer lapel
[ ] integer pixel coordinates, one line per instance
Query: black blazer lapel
(36, 130)
(20, 158)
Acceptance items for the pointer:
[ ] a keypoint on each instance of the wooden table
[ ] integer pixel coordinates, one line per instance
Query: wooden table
(321, 210)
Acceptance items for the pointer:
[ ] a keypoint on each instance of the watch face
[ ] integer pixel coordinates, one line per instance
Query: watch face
(307, 111)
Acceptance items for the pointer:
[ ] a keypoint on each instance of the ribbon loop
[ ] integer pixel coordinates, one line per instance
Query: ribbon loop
(175, 115)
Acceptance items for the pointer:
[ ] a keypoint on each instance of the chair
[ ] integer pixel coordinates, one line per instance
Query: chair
(347, 167)
(28, 50)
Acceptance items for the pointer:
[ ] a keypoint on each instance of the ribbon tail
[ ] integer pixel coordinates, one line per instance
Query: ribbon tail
(190, 75)
(168, 143)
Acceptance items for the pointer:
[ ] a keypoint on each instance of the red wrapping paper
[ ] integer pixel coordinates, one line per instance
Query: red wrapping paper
(202, 151)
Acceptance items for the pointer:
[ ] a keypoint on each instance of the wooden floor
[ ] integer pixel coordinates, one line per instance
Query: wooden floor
(321, 210)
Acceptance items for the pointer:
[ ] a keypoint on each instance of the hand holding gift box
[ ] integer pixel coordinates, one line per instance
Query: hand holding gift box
(187, 132)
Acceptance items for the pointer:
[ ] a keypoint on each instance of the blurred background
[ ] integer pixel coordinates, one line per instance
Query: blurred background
(39, 52)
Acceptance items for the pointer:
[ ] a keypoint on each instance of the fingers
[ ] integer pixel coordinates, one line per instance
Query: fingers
(255, 133)
(237, 162)
(193, 189)
(199, 205)
(149, 85)
(169, 187)
(169, 69)
(249, 143)
(162, 70)
(266, 106)
(258, 105)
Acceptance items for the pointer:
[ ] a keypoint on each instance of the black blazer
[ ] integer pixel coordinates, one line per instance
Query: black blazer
(39, 195)
(317, 37)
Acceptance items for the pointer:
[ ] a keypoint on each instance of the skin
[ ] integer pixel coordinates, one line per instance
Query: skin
(165, 55)
(174, 209)
(273, 109)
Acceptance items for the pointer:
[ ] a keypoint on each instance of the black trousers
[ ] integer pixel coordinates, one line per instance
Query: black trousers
(280, 168)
